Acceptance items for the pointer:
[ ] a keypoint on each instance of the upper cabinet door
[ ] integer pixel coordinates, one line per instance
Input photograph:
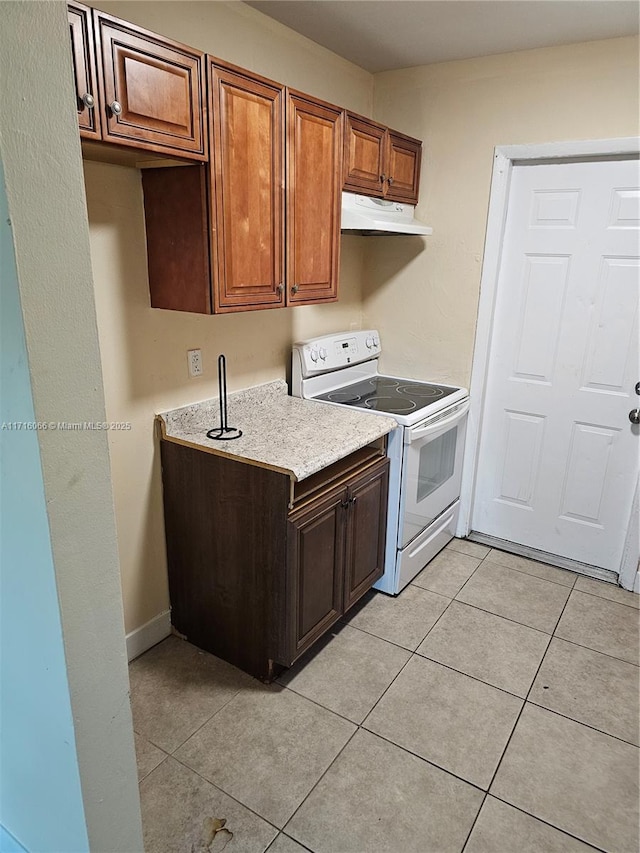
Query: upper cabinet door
(153, 89)
(84, 70)
(364, 156)
(403, 176)
(314, 185)
(247, 191)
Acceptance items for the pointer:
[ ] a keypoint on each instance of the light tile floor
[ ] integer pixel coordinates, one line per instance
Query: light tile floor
(492, 707)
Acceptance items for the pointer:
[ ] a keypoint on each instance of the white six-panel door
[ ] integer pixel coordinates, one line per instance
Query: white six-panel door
(558, 458)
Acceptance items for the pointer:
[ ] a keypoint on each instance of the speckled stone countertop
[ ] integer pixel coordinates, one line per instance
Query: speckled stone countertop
(297, 437)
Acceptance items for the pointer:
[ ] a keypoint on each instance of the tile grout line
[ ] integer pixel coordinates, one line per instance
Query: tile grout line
(582, 723)
(428, 761)
(315, 785)
(208, 720)
(598, 651)
(524, 704)
(227, 794)
(610, 600)
(475, 677)
(546, 823)
(475, 820)
(531, 575)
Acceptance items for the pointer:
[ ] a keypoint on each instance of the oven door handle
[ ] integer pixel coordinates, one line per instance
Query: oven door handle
(411, 435)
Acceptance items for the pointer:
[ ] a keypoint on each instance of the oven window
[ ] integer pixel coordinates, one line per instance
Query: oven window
(437, 459)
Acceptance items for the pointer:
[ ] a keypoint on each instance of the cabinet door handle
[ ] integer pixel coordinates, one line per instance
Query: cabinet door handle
(353, 500)
(295, 288)
(88, 100)
(390, 181)
(116, 108)
(345, 503)
(280, 288)
(383, 178)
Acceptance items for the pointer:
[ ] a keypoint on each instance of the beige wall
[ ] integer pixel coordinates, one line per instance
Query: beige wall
(144, 351)
(40, 151)
(423, 294)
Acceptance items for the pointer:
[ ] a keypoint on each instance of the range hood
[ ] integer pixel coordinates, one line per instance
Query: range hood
(376, 217)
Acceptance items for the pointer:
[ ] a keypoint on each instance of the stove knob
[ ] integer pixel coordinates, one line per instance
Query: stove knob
(314, 355)
(376, 341)
(370, 342)
(323, 353)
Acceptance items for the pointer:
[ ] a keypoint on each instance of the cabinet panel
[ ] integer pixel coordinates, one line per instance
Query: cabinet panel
(313, 199)
(364, 155)
(403, 168)
(158, 85)
(226, 529)
(248, 192)
(175, 211)
(366, 532)
(84, 70)
(315, 572)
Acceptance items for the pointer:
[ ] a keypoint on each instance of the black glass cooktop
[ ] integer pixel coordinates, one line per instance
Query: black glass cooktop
(386, 394)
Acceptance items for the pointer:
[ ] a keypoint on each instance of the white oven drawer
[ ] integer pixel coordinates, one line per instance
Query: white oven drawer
(431, 470)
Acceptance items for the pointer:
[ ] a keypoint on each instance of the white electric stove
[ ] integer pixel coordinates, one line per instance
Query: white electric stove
(425, 451)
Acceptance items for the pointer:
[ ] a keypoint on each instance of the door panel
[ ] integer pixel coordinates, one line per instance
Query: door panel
(159, 85)
(315, 572)
(558, 458)
(314, 196)
(403, 160)
(84, 69)
(366, 532)
(364, 155)
(248, 195)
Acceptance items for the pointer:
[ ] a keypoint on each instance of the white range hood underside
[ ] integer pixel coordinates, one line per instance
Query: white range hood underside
(376, 217)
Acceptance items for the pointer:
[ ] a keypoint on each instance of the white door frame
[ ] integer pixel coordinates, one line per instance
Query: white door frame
(505, 158)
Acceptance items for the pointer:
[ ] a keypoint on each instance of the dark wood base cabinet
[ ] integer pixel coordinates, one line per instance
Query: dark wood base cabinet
(254, 580)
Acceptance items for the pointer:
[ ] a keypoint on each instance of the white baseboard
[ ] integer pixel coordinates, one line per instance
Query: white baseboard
(143, 638)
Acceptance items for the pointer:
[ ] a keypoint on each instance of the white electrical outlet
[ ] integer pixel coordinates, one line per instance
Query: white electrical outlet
(194, 358)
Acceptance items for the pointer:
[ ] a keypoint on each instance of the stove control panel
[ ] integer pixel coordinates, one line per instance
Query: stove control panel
(331, 352)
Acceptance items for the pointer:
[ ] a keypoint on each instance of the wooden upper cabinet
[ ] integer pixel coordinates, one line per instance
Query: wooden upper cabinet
(247, 189)
(314, 184)
(153, 89)
(84, 70)
(403, 179)
(380, 162)
(364, 155)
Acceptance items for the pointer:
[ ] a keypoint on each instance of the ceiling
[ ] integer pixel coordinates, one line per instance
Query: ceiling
(380, 35)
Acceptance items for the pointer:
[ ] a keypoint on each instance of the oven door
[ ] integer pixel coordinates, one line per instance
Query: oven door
(431, 469)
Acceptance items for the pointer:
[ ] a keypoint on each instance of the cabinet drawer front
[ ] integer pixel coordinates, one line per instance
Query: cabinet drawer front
(313, 200)
(404, 168)
(158, 85)
(315, 573)
(364, 152)
(248, 197)
(84, 69)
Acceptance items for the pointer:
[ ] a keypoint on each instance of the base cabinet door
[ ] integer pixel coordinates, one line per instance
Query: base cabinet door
(315, 572)
(365, 532)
